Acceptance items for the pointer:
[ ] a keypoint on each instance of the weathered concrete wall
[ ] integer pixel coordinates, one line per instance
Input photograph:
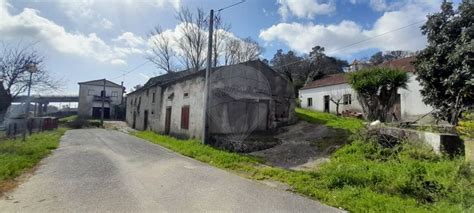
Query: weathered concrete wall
(411, 102)
(243, 98)
(440, 142)
(86, 99)
(169, 96)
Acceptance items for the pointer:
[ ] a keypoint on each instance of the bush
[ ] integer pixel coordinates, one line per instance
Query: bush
(80, 123)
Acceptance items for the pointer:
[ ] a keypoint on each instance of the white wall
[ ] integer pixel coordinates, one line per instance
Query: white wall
(411, 102)
(317, 94)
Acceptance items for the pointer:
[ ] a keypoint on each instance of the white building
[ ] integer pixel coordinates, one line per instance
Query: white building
(91, 94)
(317, 94)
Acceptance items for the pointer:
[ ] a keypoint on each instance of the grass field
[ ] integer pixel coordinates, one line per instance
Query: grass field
(331, 120)
(361, 176)
(17, 156)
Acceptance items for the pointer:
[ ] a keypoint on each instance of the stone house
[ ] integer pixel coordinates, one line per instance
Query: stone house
(316, 95)
(91, 94)
(243, 98)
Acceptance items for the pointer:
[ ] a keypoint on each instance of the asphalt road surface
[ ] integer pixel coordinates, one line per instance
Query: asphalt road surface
(97, 170)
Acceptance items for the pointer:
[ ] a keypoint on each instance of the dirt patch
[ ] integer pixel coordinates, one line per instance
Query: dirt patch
(120, 126)
(7, 186)
(245, 143)
(303, 146)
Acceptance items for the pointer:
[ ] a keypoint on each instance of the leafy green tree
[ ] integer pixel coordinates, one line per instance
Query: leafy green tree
(445, 67)
(376, 89)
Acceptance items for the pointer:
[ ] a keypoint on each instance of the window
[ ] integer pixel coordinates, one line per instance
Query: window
(347, 99)
(185, 117)
(153, 98)
(102, 93)
(91, 92)
(147, 92)
(186, 95)
(310, 102)
(114, 93)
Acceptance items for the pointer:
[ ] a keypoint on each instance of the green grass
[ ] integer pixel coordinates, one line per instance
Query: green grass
(68, 119)
(359, 178)
(17, 156)
(331, 120)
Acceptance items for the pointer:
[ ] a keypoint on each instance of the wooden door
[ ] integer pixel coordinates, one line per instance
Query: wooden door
(134, 119)
(168, 120)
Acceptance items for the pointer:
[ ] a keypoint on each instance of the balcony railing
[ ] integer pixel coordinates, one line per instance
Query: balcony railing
(99, 98)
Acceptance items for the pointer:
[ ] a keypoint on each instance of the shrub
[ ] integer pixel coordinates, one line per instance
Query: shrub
(377, 90)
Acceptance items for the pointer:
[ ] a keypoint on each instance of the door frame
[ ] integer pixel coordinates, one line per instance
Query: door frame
(327, 103)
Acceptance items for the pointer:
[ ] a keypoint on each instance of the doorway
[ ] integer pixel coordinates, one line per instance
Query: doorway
(96, 112)
(145, 120)
(134, 119)
(326, 103)
(168, 120)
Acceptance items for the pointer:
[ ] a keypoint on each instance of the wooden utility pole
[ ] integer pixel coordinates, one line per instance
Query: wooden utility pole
(103, 103)
(206, 82)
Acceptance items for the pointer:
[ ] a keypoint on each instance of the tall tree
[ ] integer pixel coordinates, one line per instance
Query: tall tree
(163, 54)
(193, 40)
(381, 57)
(14, 75)
(445, 67)
(238, 50)
(323, 64)
(219, 38)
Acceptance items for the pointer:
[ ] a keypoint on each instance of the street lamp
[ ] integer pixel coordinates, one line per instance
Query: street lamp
(31, 68)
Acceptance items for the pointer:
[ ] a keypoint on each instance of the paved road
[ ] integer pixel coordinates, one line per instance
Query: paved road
(107, 171)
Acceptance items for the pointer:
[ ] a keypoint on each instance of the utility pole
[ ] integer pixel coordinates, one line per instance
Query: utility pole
(102, 110)
(31, 69)
(206, 82)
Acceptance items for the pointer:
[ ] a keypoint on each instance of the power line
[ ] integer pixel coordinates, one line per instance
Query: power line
(240, 2)
(130, 71)
(367, 39)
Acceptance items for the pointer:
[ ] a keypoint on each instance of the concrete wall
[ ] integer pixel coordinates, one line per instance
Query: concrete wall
(411, 102)
(317, 95)
(157, 110)
(86, 100)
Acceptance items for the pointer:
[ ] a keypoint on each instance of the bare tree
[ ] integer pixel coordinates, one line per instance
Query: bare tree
(337, 97)
(219, 38)
(193, 40)
(240, 50)
(162, 51)
(14, 75)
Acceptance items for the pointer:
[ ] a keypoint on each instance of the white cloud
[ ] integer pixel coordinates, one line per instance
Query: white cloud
(105, 23)
(29, 24)
(176, 4)
(118, 62)
(304, 8)
(130, 39)
(335, 37)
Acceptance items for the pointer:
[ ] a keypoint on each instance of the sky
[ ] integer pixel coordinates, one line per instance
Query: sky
(85, 40)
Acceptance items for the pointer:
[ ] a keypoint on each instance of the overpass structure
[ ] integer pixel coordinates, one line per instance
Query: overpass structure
(41, 102)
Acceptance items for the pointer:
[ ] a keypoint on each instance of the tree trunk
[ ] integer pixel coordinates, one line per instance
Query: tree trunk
(5, 102)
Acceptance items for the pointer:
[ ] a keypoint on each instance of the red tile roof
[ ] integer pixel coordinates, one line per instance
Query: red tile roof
(328, 80)
(403, 64)
(341, 78)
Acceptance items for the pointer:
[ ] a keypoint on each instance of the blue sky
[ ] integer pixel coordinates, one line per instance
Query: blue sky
(91, 39)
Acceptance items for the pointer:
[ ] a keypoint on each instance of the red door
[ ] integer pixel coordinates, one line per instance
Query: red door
(168, 120)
